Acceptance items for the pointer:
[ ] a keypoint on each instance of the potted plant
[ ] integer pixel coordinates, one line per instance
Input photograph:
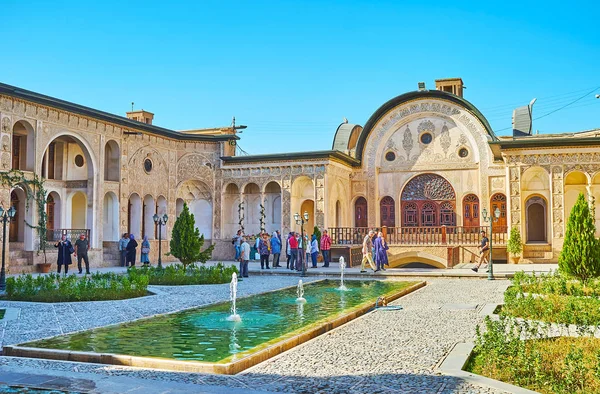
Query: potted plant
(515, 245)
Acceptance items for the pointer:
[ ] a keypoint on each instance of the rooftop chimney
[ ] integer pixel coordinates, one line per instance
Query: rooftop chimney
(451, 85)
(141, 116)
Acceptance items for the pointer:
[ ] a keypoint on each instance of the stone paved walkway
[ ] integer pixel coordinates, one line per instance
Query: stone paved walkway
(381, 352)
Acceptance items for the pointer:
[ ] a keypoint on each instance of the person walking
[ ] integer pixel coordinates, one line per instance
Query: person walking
(65, 248)
(381, 248)
(244, 257)
(314, 250)
(82, 245)
(131, 251)
(484, 252)
(264, 251)
(275, 249)
(256, 242)
(123, 249)
(367, 248)
(145, 251)
(237, 244)
(293, 248)
(326, 248)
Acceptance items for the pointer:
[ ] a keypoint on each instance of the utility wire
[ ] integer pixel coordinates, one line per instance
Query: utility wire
(558, 109)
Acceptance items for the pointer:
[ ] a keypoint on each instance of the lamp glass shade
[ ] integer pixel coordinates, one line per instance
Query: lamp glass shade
(484, 213)
(305, 215)
(165, 218)
(497, 213)
(155, 218)
(296, 217)
(12, 212)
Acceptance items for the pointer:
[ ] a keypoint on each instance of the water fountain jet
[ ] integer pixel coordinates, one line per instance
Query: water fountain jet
(233, 295)
(342, 269)
(300, 292)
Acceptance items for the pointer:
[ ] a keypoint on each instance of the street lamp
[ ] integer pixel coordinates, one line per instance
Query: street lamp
(301, 220)
(160, 221)
(491, 221)
(5, 216)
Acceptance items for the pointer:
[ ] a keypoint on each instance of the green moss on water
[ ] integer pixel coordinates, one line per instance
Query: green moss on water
(2, 312)
(204, 334)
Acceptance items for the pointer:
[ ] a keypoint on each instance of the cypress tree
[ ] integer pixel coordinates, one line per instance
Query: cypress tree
(580, 256)
(186, 242)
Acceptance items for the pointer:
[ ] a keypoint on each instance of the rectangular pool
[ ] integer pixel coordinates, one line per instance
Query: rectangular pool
(205, 335)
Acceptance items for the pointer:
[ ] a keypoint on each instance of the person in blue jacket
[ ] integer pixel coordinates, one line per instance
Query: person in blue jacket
(276, 249)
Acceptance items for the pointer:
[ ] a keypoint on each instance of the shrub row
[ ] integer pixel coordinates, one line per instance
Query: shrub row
(56, 288)
(177, 274)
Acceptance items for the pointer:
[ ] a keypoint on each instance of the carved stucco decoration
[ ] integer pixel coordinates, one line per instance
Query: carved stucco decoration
(194, 190)
(217, 209)
(557, 201)
(407, 142)
(6, 124)
(515, 200)
(142, 182)
(445, 140)
(194, 166)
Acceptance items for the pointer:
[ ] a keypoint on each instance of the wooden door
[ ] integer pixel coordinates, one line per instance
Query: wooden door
(388, 212)
(498, 201)
(16, 147)
(429, 214)
(360, 213)
(50, 218)
(471, 211)
(13, 233)
(536, 222)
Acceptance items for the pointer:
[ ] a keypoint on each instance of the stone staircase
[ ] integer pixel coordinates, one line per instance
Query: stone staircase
(111, 255)
(20, 261)
(537, 254)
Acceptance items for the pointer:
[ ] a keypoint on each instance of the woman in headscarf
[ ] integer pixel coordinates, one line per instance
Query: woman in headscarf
(131, 250)
(275, 249)
(381, 248)
(65, 249)
(314, 250)
(145, 251)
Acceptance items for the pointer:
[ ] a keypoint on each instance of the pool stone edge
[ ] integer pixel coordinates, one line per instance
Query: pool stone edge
(229, 368)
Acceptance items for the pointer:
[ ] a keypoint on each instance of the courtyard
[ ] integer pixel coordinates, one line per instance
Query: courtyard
(384, 351)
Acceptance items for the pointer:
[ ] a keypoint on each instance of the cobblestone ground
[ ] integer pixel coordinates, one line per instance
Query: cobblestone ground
(381, 352)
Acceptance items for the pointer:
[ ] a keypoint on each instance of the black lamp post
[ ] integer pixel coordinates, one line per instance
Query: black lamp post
(160, 221)
(301, 220)
(491, 220)
(5, 216)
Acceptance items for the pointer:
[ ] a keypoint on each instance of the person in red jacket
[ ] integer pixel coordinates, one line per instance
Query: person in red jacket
(326, 248)
(293, 242)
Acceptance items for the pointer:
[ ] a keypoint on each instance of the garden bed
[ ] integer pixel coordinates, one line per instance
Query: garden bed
(57, 288)
(178, 275)
(547, 365)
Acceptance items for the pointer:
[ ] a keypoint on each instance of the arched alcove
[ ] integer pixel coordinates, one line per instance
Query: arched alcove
(272, 207)
(134, 215)
(23, 146)
(112, 158)
(252, 208)
(111, 217)
(148, 211)
(78, 211)
(231, 210)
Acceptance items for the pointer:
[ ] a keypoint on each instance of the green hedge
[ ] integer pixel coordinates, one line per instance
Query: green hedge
(56, 288)
(177, 274)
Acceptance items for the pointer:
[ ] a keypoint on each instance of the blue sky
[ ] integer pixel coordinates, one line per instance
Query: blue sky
(291, 70)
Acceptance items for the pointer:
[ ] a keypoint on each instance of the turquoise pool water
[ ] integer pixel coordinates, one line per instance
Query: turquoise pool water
(205, 334)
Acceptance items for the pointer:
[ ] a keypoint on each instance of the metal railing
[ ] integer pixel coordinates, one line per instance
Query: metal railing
(438, 235)
(53, 235)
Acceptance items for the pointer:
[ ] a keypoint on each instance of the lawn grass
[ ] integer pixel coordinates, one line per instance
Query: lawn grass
(178, 275)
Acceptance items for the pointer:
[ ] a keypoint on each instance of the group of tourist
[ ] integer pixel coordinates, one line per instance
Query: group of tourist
(128, 250)
(298, 250)
(374, 251)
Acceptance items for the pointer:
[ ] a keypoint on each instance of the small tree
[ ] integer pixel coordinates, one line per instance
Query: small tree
(318, 234)
(580, 256)
(515, 244)
(186, 241)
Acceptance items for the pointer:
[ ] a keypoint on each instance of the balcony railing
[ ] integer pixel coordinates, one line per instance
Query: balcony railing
(53, 235)
(440, 235)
